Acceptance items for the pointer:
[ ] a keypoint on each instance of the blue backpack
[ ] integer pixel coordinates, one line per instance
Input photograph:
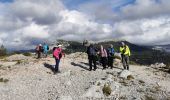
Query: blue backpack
(111, 52)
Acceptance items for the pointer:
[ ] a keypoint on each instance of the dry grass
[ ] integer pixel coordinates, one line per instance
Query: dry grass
(148, 97)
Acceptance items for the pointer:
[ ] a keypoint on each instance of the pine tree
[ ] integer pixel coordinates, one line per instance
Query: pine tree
(3, 51)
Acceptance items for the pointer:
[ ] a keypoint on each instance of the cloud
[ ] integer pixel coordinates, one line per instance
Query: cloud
(26, 24)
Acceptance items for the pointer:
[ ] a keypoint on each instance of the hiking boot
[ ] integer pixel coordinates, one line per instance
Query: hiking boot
(56, 72)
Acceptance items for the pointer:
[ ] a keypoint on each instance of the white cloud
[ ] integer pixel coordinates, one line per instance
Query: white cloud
(25, 24)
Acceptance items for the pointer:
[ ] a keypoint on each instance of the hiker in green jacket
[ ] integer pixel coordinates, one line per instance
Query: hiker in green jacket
(125, 54)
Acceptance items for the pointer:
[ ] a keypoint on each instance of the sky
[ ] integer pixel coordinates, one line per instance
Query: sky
(26, 23)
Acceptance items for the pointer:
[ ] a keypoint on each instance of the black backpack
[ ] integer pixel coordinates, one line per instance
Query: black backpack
(47, 47)
(91, 51)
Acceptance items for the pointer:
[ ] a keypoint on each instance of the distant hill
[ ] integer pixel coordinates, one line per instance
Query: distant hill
(164, 47)
(144, 55)
(73, 46)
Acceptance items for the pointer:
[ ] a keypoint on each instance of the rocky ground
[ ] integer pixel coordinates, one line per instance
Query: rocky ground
(31, 79)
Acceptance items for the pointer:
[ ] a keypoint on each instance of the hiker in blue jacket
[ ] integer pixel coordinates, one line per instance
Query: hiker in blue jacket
(45, 48)
(110, 53)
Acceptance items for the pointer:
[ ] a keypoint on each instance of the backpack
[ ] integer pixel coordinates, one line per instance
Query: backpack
(92, 51)
(47, 47)
(110, 51)
(60, 55)
(53, 51)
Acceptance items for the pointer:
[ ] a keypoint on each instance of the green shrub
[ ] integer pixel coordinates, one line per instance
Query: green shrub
(4, 80)
(27, 54)
(107, 90)
(130, 77)
(19, 62)
(3, 51)
(148, 97)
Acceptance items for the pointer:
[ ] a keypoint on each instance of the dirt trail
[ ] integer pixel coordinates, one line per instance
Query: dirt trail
(34, 80)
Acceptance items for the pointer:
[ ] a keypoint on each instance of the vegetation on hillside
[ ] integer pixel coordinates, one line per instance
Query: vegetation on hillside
(3, 51)
(143, 55)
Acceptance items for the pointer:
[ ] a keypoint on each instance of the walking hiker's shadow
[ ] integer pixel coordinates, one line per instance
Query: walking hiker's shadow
(49, 66)
(74, 64)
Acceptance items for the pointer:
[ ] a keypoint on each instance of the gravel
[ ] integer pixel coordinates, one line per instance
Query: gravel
(34, 81)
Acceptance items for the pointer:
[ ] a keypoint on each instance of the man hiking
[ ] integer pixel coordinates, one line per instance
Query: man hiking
(57, 54)
(125, 54)
(46, 48)
(39, 50)
(110, 53)
(92, 56)
(103, 55)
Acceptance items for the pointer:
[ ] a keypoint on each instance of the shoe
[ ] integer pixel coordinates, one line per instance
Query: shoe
(94, 69)
(90, 69)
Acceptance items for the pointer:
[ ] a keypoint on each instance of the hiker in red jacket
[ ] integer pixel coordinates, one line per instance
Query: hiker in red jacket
(57, 53)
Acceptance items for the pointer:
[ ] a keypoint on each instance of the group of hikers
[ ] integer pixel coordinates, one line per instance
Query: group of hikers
(107, 56)
(42, 50)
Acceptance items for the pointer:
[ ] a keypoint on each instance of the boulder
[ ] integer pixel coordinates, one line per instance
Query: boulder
(125, 74)
(94, 92)
(158, 65)
(64, 98)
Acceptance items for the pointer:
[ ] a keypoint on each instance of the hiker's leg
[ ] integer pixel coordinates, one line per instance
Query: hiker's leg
(90, 62)
(57, 65)
(122, 57)
(127, 62)
(39, 54)
(46, 53)
(111, 62)
(94, 62)
(124, 62)
(104, 62)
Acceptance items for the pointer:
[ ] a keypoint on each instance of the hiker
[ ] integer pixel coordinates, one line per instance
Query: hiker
(103, 54)
(45, 48)
(110, 53)
(39, 50)
(57, 54)
(125, 54)
(92, 56)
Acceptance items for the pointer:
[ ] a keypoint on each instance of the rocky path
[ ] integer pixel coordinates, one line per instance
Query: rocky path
(33, 79)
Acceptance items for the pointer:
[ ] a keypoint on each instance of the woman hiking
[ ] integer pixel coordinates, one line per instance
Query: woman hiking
(103, 54)
(57, 54)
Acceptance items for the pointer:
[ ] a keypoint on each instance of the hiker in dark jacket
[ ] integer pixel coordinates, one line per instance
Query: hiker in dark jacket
(92, 56)
(110, 53)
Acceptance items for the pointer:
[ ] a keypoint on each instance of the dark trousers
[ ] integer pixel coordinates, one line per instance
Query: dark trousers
(39, 54)
(125, 61)
(92, 60)
(104, 62)
(110, 62)
(57, 65)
